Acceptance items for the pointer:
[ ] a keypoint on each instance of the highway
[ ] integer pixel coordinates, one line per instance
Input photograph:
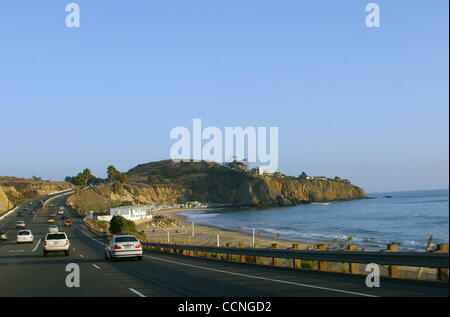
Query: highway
(25, 272)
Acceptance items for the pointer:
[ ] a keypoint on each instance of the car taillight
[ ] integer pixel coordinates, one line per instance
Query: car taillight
(117, 247)
(17, 237)
(67, 242)
(138, 246)
(45, 242)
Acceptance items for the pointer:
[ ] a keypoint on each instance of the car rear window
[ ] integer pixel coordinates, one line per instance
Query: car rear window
(24, 233)
(126, 239)
(56, 236)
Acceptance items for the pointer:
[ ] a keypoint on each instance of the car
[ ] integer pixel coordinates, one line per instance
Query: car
(64, 217)
(61, 211)
(53, 229)
(20, 214)
(24, 236)
(52, 214)
(3, 235)
(123, 246)
(67, 223)
(50, 220)
(20, 224)
(56, 242)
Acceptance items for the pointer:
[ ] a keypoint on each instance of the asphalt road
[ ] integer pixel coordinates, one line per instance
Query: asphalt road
(25, 272)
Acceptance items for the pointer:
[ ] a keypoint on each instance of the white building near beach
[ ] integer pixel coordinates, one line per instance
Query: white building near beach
(132, 213)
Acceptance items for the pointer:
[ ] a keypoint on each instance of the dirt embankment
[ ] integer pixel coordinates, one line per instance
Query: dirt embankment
(15, 191)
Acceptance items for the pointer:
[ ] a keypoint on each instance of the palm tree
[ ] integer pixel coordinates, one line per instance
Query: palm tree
(116, 188)
(80, 181)
(112, 172)
(87, 175)
(122, 178)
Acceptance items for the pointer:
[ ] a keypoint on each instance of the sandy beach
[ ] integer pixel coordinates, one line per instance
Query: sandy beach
(205, 234)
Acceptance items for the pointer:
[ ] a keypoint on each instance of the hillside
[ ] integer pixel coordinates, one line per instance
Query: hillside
(166, 182)
(14, 191)
(213, 182)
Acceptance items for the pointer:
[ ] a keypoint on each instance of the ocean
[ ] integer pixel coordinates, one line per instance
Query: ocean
(407, 218)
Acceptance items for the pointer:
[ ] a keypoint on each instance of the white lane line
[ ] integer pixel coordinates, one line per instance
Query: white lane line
(37, 244)
(91, 237)
(16, 251)
(136, 292)
(82, 255)
(264, 278)
(96, 266)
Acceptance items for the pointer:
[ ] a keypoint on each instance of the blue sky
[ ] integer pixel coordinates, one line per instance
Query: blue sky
(366, 104)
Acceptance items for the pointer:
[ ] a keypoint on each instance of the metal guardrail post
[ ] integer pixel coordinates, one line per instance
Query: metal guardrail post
(275, 261)
(242, 257)
(257, 258)
(322, 265)
(393, 269)
(229, 256)
(207, 254)
(442, 272)
(296, 262)
(353, 267)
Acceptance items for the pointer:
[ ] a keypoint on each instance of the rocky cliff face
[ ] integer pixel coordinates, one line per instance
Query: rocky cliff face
(166, 182)
(14, 191)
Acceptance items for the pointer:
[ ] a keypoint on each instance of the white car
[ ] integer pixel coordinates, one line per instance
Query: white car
(24, 236)
(56, 242)
(53, 229)
(20, 224)
(123, 246)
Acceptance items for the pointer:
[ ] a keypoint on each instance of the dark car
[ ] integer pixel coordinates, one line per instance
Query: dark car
(20, 214)
(3, 235)
(64, 217)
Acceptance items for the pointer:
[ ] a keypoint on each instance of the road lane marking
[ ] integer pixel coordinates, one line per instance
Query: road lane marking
(91, 237)
(37, 244)
(136, 292)
(16, 251)
(263, 278)
(96, 266)
(82, 255)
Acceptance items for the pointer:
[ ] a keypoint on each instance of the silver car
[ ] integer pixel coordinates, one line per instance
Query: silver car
(20, 224)
(123, 246)
(53, 229)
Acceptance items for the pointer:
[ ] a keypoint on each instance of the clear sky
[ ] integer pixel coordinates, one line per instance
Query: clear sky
(368, 104)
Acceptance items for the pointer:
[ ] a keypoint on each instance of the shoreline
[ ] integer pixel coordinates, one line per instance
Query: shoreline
(208, 234)
(204, 234)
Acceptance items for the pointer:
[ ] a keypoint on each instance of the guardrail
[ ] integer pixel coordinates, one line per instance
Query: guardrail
(59, 194)
(416, 259)
(7, 213)
(437, 259)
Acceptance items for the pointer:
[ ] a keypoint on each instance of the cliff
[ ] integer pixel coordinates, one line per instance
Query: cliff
(15, 191)
(166, 182)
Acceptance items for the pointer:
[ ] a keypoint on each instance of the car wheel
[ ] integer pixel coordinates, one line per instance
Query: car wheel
(66, 253)
(45, 254)
(106, 257)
